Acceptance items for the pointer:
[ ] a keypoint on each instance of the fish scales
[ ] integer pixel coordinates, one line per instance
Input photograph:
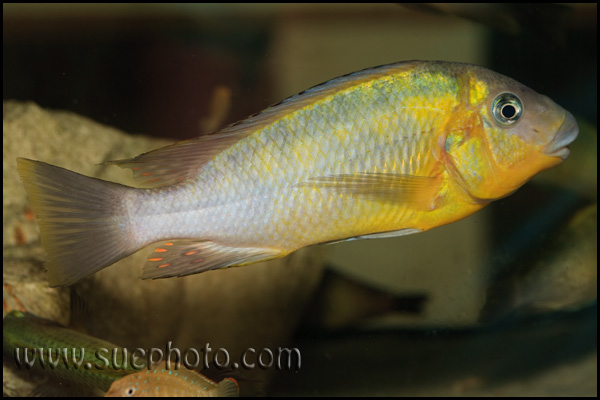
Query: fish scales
(302, 152)
(382, 152)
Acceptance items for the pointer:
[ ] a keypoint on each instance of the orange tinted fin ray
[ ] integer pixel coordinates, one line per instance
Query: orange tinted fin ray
(186, 257)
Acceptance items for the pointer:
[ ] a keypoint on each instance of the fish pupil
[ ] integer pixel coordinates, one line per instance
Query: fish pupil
(508, 111)
(130, 391)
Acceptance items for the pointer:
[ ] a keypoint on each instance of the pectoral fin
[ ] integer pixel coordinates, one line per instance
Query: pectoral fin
(183, 257)
(414, 191)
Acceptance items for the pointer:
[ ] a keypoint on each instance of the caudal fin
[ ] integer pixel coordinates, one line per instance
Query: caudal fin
(82, 221)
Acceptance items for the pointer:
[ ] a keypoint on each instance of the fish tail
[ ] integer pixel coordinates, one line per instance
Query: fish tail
(80, 218)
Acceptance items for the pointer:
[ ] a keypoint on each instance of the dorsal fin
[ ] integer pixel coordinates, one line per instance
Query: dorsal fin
(228, 387)
(180, 161)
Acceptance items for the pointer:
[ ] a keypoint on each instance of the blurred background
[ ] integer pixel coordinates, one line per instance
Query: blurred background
(503, 302)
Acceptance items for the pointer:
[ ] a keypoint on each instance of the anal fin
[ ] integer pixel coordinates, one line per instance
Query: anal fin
(186, 257)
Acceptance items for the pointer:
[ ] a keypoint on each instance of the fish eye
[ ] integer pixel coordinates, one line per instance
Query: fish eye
(507, 109)
(130, 391)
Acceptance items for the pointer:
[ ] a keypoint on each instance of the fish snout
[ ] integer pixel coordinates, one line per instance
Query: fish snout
(565, 135)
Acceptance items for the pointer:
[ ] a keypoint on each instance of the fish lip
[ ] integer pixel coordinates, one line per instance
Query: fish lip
(565, 135)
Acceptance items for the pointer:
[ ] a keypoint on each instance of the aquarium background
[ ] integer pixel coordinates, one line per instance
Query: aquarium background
(459, 310)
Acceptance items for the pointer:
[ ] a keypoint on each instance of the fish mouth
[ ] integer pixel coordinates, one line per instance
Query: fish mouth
(565, 135)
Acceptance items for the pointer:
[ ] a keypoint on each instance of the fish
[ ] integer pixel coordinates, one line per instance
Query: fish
(557, 270)
(343, 302)
(387, 151)
(163, 381)
(565, 276)
(26, 332)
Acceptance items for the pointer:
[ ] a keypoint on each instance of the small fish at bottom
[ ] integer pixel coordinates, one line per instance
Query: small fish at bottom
(69, 357)
(163, 381)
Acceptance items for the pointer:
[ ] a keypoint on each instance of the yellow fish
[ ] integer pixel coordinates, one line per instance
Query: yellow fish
(163, 381)
(387, 151)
